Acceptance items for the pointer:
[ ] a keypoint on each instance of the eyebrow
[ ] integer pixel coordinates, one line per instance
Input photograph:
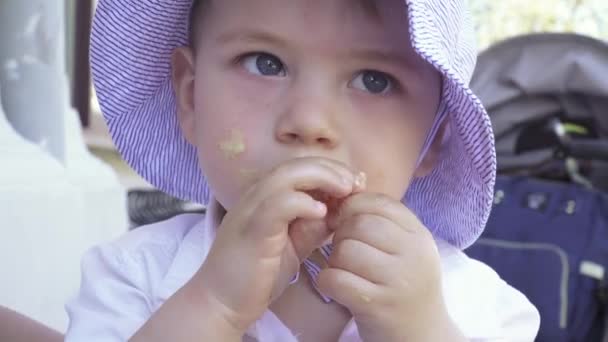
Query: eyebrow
(250, 36)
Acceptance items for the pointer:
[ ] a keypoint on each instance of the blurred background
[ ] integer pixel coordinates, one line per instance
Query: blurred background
(64, 188)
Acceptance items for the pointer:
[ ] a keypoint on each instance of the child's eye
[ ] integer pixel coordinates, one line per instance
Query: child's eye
(375, 82)
(263, 64)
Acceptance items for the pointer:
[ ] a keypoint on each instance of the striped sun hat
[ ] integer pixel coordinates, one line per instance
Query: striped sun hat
(131, 46)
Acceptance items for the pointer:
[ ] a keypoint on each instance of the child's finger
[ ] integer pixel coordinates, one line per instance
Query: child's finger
(308, 235)
(274, 214)
(307, 174)
(348, 289)
(376, 231)
(359, 179)
(345, 170)
(381, 205)
(362, 260)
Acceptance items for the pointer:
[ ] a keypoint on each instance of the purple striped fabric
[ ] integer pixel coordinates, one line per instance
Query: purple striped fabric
(131, 44)
(314, 270)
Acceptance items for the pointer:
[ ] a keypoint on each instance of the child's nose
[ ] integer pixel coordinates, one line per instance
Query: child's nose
(310, 123)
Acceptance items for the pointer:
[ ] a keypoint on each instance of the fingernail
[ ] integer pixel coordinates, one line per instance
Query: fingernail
(321, 206)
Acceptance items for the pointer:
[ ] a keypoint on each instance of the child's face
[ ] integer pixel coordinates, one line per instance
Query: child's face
(273, 80)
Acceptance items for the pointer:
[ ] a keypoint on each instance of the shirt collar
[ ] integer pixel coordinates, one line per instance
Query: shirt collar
(191, 252)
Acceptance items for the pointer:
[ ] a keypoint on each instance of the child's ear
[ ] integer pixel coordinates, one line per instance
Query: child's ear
(182, 68)
(431, 158)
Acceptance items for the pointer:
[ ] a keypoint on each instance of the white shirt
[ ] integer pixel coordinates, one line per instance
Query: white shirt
(124, 282)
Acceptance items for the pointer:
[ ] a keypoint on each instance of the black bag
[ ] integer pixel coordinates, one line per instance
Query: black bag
(550, 241)
(547, 96)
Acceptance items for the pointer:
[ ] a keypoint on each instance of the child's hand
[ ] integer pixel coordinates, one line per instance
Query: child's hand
(254, 255)
(385, 269)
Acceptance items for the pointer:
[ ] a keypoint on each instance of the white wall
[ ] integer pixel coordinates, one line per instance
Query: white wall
(56, 199)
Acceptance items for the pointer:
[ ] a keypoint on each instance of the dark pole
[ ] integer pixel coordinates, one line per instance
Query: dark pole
(81, 84)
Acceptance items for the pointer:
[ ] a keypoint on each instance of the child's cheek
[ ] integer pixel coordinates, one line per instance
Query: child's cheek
(249, 175)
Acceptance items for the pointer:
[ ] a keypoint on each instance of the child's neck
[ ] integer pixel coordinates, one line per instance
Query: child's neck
(303, 311)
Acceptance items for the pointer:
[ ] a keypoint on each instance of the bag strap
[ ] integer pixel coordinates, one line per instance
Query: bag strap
(602, 296)
(596, 271)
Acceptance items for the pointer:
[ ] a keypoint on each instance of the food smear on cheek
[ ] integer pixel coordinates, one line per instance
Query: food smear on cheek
(233, 145)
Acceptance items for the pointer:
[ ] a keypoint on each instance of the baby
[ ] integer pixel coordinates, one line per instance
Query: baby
(343, 160)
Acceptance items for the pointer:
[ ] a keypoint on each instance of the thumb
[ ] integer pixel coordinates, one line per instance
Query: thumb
(308, 235)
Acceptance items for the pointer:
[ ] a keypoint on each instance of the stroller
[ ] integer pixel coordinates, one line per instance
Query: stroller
(547, 95)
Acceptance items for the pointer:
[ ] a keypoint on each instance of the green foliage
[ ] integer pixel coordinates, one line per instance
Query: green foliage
(499, 19)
